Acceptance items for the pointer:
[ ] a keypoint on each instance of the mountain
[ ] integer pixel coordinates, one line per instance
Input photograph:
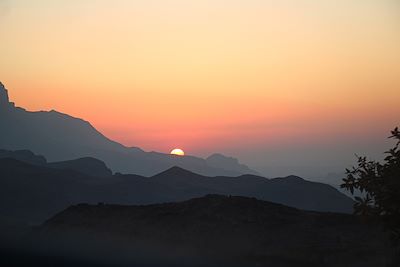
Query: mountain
(60, 137)
(89, 166)
(212, 231)
(30, 193)
(228, 163)
(33, 193)
(24, 156)
(292, 191)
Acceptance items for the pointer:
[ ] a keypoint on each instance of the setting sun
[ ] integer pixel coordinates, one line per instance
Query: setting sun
(178, 152)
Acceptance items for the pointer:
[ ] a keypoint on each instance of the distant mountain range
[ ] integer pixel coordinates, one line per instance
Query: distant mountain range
(31, 189)
(60, 137)
(88, 166)
(211, 231)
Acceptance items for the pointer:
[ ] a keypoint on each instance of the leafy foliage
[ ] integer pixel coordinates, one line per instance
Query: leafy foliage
(380, 185)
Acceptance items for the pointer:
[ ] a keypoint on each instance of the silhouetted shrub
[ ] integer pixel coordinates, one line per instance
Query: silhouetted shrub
(380, 183)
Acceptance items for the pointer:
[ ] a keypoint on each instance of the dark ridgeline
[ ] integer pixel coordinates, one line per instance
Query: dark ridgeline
(88, 166)
(60, 137)
(213, 230)
(24, 156)
(32, 190)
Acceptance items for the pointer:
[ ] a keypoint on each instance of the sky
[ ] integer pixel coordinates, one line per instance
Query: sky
(288, 87)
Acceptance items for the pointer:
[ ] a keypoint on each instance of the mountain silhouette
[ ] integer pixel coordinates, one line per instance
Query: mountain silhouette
(89, 166)
(220, 230)
(24, 156)
(32, 193)
(228, 163)
(61, 137)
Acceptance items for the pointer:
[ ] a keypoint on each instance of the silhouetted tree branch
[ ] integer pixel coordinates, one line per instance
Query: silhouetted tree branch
(380, 183)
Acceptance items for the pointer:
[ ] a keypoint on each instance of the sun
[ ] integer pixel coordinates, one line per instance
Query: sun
(178, 152)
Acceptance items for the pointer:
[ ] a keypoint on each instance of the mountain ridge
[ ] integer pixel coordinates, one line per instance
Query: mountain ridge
(34, 192)
(59, 137)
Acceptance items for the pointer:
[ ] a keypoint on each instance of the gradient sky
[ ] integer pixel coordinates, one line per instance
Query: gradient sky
(290, 86)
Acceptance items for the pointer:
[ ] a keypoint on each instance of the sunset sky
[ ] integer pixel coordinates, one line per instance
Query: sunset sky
(289, 86)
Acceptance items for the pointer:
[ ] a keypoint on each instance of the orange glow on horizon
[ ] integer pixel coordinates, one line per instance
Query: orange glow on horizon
(212, 74)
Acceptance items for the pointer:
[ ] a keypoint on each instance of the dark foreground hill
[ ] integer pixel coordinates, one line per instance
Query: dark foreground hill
(33, 193)
(219, 230)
